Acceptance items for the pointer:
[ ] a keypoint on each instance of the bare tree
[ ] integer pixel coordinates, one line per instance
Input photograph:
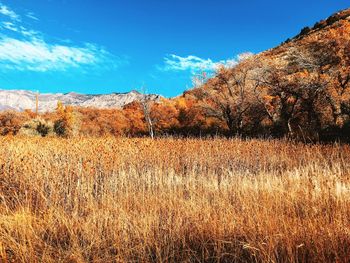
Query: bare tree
(228, 96)
(199, 79)
(146, 107)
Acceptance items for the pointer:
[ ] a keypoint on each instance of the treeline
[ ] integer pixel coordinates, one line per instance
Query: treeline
(180, 116)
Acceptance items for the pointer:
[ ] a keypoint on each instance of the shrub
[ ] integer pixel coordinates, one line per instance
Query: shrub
(43, 129)
(60, 128)
(10, 123)
(304, 31)
(37, 127)
(332, 19)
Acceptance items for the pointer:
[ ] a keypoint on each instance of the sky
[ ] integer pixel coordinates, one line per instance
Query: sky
(155, 46)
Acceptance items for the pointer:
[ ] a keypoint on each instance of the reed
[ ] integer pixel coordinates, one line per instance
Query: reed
(173, 200)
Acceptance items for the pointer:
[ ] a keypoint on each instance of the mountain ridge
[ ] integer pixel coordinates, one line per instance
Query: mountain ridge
(20, 100)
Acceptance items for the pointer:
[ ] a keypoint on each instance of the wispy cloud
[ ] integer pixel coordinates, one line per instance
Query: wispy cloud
(31, 15)
(22, 32)
(6, 11)
(9, 26)
(194, 64)
(37, 55)
(28, 50)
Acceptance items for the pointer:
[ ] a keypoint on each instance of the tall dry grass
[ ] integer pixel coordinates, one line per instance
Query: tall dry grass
(172, 200)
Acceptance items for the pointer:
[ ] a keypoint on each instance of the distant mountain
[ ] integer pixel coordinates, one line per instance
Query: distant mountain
(21, 100)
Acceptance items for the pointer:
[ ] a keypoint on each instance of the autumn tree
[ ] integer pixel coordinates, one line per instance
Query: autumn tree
(11, 122)
(164, 116)
(134, 114)
(67, 122)
(229, 97)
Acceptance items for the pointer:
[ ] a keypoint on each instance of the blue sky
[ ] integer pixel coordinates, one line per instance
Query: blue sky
(103, 46)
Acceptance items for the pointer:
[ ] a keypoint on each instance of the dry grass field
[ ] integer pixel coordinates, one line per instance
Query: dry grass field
(173, 200)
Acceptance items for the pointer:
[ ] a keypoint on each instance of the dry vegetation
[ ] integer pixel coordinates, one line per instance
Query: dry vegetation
(173, 200)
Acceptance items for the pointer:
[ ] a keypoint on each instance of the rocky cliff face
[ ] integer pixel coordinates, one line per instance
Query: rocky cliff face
(21, 100)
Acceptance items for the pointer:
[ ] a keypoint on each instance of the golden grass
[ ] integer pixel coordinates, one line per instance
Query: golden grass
(172, 200)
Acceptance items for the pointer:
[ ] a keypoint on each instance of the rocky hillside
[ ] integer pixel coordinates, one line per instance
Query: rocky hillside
(300, 88)
(20, 100)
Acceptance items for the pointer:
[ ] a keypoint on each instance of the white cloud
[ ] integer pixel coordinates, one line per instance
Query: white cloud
(6, 11)
(31, 15)
(10, 26)
(21, 30)
(27, 49)
(37, 55)
(28, 32)
(195, 64)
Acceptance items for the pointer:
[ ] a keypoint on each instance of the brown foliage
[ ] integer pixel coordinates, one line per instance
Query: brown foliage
(11, 122)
